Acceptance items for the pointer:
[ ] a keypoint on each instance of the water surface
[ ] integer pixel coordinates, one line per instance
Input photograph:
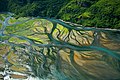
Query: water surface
(50, 49)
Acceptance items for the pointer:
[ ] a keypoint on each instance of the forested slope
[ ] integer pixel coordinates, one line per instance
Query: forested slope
(95, 13)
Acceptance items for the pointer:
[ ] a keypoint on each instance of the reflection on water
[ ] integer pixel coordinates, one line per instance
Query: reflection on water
(49, 49)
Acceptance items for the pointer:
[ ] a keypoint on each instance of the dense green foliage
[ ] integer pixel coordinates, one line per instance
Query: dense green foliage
(95, 13)
(99, 13)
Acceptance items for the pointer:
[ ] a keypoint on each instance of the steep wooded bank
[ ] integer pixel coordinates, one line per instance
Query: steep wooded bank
(98, 13)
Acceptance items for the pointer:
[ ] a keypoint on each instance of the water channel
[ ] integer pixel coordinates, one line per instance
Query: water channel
(34, 48)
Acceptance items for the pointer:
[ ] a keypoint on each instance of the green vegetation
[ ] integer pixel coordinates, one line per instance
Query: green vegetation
(97, 13)
(92, 13)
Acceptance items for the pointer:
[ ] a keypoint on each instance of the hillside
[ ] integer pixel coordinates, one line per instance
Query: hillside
(92, 13)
